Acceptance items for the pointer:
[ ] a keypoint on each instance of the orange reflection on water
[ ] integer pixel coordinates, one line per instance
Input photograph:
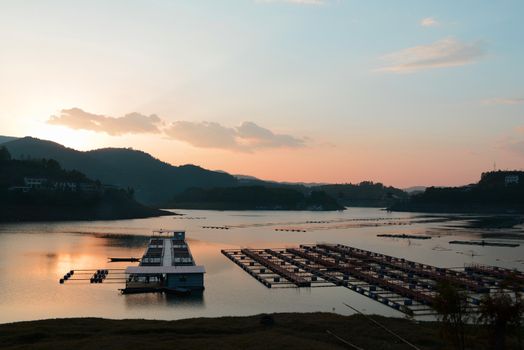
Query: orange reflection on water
(66, 262)
(84, 252)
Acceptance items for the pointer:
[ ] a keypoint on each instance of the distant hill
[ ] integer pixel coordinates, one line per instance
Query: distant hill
(154, 181)
(248, 180)
(253, 198)
(496, 192)
(40, 190)
(4, 139)
(364, 194)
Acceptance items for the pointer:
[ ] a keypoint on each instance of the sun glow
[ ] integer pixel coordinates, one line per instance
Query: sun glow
(77, 139)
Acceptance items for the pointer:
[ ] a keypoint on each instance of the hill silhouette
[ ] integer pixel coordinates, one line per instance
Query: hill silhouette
(40, 190)
(254, 198)
(154, 181)
(497, 192)
(4, 139)
(364, 194)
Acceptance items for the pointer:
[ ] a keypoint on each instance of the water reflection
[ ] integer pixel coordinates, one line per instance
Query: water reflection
(195, 300)
(124, 241)
(34, 256)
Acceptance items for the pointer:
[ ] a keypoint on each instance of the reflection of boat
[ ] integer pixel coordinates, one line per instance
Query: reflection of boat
(157, 289)
(124, 259)
(177, 291)
(140, 290)
(167, 266)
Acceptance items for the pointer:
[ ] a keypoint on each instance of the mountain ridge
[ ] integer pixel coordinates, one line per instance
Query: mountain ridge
(154, 181)
(4, 139)
(40, 190)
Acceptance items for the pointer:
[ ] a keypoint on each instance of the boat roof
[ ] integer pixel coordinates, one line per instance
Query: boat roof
(168, 233)
(164, 269)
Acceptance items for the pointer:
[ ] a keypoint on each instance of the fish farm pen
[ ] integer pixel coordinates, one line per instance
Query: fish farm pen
(407, 286)
(166, 266)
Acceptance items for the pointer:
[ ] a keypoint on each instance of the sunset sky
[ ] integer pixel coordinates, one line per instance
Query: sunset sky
(402, 92)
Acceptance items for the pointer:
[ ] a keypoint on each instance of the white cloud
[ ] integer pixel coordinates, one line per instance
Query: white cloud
(307, 2)
(244, 138)
(447, 52)
(204, 135)
(429, 22)
(504, 101)
(297, 2)
(132, 123)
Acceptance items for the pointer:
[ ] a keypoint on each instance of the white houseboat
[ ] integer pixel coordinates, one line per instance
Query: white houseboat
(166, 266)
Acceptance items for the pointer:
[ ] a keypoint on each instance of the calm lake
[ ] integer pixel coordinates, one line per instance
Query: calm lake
(34, 256)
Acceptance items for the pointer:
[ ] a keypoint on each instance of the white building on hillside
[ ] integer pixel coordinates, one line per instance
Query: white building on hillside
(511, 179)
(35, 183)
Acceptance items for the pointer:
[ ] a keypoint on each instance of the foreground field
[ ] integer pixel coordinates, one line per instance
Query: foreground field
(278, 331)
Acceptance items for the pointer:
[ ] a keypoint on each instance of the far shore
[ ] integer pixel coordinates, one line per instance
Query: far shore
(56, 215)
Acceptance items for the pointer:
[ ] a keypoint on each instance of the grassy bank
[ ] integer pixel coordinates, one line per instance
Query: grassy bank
(292, 331)
(281, 331)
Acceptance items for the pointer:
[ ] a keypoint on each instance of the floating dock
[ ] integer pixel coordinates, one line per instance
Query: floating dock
(404, 236)
(512, 277)
(404, 285)
(487, 243)
(131, 259)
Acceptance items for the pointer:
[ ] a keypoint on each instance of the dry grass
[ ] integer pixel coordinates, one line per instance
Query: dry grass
(289, 331)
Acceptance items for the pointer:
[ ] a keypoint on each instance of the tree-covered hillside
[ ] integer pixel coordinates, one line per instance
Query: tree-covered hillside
(497, 191)
(154, 181)
(40, 190)
(253, 198)
(364, 194)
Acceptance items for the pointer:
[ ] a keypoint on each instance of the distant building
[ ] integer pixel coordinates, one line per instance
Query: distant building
(501, 178)
(66, 186)
(35, 183)
(511, 179)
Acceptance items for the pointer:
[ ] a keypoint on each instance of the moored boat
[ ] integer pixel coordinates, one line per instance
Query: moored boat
(166, 266)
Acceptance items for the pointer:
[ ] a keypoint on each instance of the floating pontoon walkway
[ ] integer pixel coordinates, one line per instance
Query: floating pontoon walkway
(278, 269)
(404, 285)
(512, 277)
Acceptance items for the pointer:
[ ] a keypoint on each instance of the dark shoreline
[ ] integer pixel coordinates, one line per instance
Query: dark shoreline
(276, 331)
(219, 207)
(58, 214)
(290, 331)
(445, 209)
